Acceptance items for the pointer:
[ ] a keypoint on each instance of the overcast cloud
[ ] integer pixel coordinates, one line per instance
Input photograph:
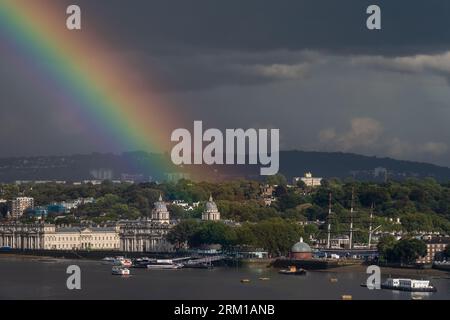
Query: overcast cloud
(310, 68)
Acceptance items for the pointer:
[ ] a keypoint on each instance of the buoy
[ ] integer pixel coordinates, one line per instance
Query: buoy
(347, 297)
(245, 280)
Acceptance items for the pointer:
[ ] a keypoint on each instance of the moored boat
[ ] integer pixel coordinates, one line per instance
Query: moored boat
(121, 261)
(108, 260)
(142, 262)
(442, 265)
(411, 285)
(120, 271)
(165, 264)
(198, 266)
(293, 271)
(118, 261)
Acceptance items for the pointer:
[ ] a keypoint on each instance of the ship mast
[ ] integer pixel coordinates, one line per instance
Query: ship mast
(329, 225)
(351, 219)
(370, 225)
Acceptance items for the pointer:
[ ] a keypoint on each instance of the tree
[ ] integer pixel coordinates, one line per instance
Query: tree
(447, 251)
(277, 179)
(245, 235)
(176, 212)
(276, 235)
(301, 184)
(405, 251)
(409, 250)
(212, 232)
(310, 229)
(183, 232)
(288, 200)
(385, 245)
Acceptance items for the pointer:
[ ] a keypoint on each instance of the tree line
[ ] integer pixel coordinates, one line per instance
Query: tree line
(421, 205)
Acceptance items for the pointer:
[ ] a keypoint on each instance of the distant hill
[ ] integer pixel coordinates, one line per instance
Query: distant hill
(142, 166)
(343, 165)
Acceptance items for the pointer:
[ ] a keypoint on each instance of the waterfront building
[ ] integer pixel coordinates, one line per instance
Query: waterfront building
(81, 238)
(301, 251)
(146, 235)
(435, 247)
(211, 212)
(142, 235)
(22, 236)
(19, 205)
(42, 236)
(130, 236)
(309, 180)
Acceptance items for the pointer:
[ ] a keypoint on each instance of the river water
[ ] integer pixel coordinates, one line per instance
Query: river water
(46, 279)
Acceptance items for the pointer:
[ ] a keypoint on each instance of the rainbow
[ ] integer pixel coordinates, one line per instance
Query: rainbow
(79, 69)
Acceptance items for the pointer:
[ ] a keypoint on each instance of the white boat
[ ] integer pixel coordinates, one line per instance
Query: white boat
(120, 271)
(442, 265)
(108, 260)
(408, 285)
(121, 261)
(165, 264)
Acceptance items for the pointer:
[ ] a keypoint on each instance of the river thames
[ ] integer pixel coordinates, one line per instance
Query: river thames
(22, 278)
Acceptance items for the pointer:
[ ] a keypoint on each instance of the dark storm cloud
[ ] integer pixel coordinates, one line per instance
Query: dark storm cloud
(266, 25)
(210, 70)
(310, 68)
(195, 45)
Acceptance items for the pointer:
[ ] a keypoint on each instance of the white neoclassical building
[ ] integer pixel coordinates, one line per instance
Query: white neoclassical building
(81, 238)
(50, 237)
(143, 235)
(160, 214)
(211, 212)
(148, 234)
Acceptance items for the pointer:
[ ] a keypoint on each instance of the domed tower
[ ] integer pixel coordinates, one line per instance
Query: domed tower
(160, 213)
(211, 212)
(301, 251)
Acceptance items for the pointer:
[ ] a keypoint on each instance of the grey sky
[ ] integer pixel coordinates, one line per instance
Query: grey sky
(310, 68)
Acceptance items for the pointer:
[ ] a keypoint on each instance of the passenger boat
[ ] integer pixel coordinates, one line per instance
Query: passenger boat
(293, 271)
(120, 271)
(164, 265)
(408, 285)
(123, 262)
(142, 262)
(108, 260)
(198, 265)
(118, 261)
(442, 265)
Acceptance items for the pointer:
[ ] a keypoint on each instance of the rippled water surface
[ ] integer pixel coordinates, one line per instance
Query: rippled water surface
(46, 279)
